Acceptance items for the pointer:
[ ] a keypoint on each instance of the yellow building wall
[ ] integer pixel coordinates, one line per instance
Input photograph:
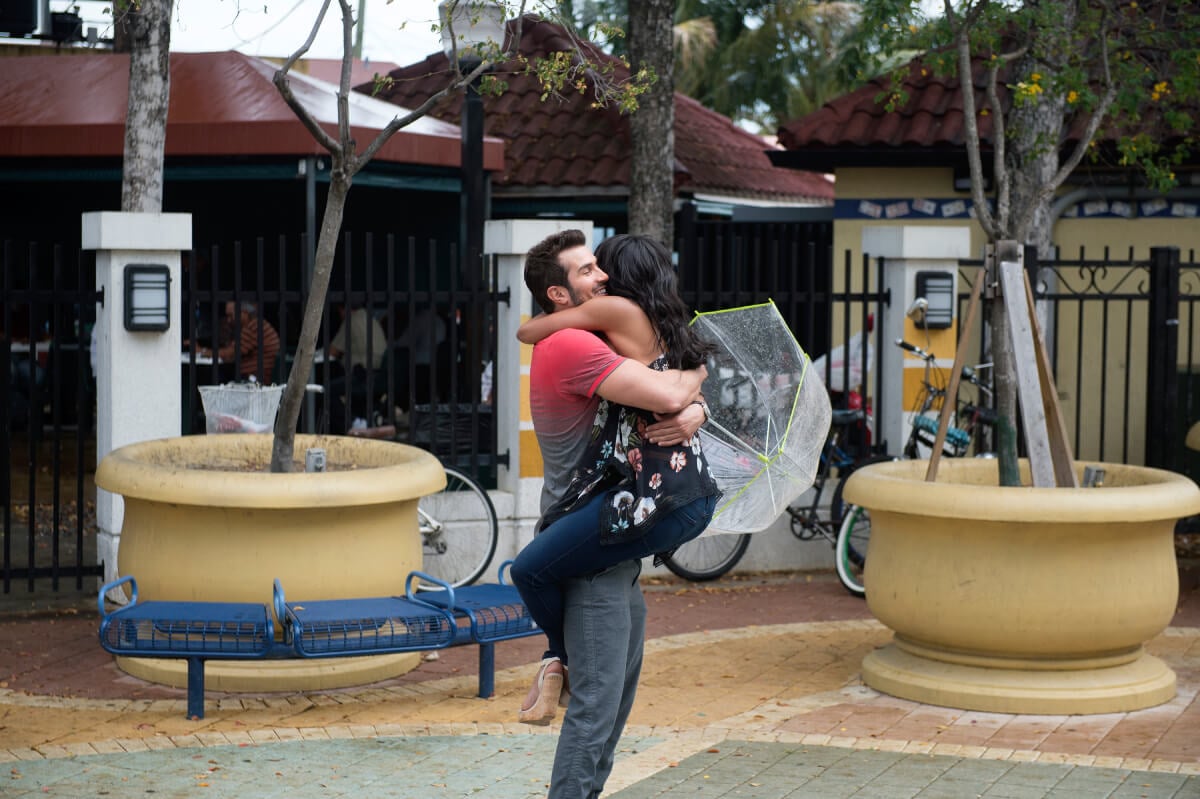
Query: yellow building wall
(1093, 381)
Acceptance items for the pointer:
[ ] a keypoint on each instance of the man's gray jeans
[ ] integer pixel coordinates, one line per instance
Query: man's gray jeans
(605, 633)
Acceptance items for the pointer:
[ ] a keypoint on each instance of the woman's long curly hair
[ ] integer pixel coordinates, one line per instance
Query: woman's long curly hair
(639, 268)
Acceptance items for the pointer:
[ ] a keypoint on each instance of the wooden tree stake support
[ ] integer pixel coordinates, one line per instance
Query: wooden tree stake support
(948, 402)
(1045, 438)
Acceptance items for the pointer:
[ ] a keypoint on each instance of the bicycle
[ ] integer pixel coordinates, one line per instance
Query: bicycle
(709, 557)
(854, 533)
(459, 531)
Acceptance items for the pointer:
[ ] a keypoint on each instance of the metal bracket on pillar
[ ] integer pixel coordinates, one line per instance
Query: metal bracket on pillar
(994, 253)
(502, 458)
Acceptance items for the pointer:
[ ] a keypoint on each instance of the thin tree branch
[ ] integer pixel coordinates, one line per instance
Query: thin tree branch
(971, 124)
(306, 119)
(285, 90)
(412, 116)
(999, 135)
(308, 43)
(343, 93)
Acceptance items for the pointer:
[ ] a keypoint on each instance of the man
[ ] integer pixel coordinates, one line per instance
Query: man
(605, 613)
(349, 343)
(241, 331)
(349, 348)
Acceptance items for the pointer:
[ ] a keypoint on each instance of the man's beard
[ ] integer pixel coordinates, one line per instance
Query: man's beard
(575, 301)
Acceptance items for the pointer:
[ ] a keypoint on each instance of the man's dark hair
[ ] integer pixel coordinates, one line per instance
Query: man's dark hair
(542, 269)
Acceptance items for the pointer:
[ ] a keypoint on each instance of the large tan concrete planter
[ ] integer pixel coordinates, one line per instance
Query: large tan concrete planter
(204, 520)
(1021, 600)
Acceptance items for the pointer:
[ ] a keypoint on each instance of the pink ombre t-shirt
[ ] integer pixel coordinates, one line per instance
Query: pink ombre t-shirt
(566, 370)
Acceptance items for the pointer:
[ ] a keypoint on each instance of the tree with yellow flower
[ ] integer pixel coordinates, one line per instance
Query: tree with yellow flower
(1045, 85)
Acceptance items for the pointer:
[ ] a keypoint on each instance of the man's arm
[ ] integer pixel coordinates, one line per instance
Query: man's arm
(639, 386)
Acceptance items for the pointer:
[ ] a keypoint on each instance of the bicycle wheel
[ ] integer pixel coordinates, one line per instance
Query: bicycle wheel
(850, 553)
(707, 557)
(837, 504)
(458, 531)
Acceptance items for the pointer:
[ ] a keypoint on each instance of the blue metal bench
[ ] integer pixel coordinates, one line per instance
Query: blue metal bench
(197, 631)
(428, 620)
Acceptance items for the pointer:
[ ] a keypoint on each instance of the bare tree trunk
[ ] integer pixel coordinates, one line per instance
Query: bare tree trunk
(283, 446)
(652, 128)
(148, 26)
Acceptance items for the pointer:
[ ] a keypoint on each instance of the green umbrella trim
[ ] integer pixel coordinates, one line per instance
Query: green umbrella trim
(767, 461)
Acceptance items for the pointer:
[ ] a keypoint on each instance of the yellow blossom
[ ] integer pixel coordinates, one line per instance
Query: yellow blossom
(1035, 77)
(1072, 97)
(912, 28)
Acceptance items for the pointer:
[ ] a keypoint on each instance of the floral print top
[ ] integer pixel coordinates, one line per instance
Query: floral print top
(641, 479)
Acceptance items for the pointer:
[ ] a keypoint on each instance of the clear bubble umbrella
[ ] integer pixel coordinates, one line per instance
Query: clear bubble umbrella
(770, 416)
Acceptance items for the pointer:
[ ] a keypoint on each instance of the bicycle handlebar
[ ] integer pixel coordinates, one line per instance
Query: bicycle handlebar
(968, 373)
(915, 350)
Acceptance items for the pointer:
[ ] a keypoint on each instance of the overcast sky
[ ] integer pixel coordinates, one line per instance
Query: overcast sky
(398, 31)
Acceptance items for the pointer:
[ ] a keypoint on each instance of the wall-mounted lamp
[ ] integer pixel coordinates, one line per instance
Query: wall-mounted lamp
(147, 297)
(937, 289)
(916, 311)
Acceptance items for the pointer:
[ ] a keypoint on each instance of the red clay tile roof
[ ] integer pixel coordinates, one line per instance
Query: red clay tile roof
(850, 128)
(563, 142)
(857, 130)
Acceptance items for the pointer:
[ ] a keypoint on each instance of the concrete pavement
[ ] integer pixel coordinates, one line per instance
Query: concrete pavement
(751, 689)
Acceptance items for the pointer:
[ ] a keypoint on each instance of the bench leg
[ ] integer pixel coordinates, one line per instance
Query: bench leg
(487, 670)
(195, 688)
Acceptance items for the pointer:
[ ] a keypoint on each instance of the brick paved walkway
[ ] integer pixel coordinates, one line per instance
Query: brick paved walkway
(726, 709)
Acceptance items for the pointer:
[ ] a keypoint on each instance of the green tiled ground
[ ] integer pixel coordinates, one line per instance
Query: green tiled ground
(517, 767)
(792, 771)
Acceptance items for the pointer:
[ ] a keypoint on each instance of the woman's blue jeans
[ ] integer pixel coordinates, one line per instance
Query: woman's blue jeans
(570, 547)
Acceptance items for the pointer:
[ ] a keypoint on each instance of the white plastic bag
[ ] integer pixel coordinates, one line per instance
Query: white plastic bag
(838, 360)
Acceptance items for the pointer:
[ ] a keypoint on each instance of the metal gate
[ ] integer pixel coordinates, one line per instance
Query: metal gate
(726, 264)
(47, 400)
(1122, 334)
(430, 383)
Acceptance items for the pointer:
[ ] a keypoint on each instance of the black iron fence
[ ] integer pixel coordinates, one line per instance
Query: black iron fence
(725, 264)
(1129, 389)
(1122, 334)
(407, 339)
(427, 375)
(47, 397)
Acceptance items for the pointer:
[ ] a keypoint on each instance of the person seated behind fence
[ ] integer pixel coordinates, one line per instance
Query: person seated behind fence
(425, 342)
(239, 335)
(349, 348)
(349, 343)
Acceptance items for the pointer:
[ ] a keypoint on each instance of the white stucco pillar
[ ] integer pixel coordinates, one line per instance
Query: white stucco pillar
(138, 393)
(509, 240)
(909, 250)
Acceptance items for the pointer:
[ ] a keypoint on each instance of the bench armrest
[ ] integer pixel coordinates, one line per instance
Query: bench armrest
(443, 588)
(104, 589)
(505, 567)
(279, 605)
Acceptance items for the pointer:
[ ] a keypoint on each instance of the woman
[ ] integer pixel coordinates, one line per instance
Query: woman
(628, 497)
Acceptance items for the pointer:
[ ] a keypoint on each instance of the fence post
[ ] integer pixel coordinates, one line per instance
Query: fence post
(1162, 350)
(910, 249)
(509, 240)
(137, 372)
